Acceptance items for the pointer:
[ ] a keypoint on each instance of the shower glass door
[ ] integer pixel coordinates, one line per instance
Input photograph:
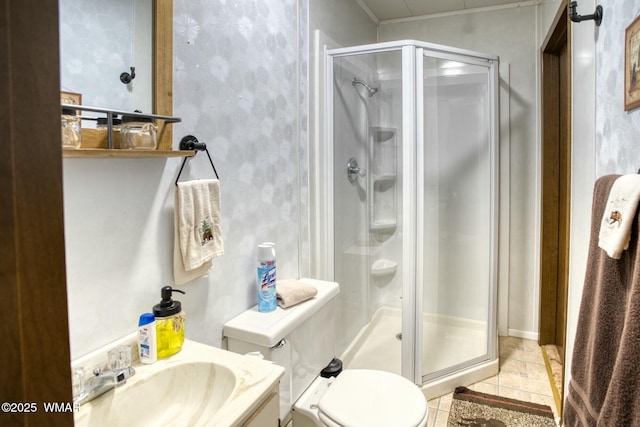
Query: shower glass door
(456, 213)
(411, 218)
(367, 199)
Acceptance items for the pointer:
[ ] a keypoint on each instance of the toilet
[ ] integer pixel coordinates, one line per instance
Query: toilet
(302, 339)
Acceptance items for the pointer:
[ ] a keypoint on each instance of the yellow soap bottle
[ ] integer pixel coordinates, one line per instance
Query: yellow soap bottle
(169, 323)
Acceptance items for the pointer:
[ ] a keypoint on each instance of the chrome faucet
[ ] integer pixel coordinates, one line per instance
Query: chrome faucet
(101, 382)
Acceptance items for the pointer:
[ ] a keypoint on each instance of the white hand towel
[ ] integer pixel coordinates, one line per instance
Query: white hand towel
(180, 275)
(292, 292)
(615, 227)
(198, 234)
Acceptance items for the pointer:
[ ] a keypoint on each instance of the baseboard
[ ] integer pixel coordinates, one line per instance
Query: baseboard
(523, 334)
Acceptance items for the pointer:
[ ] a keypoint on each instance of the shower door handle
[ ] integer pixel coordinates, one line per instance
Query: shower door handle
(353, 171)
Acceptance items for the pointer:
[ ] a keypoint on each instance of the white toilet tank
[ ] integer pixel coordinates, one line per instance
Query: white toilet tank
(301, 338)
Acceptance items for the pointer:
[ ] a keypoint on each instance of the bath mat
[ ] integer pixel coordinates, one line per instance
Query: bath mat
(472, 408)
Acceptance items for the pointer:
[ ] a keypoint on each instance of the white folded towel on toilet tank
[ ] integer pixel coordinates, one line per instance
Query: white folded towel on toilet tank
(292, 292)
(198, 233)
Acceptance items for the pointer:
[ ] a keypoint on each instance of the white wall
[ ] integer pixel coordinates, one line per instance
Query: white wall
(342, 21)
(546, 13)
(238, 70)
(605, 136)
(485, 32)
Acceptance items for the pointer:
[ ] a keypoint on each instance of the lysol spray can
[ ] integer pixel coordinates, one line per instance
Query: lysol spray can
(267, 300)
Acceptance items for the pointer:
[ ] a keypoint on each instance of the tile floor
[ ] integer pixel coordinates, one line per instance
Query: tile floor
(522, 376)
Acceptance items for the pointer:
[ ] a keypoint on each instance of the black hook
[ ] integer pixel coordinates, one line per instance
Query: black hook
(573, 14)
(190, 142)
(126, 78)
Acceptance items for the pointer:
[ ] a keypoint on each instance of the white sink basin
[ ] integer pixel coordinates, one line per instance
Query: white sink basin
(201, 385)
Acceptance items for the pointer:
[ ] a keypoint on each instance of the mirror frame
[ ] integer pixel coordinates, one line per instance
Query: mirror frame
(163, 67)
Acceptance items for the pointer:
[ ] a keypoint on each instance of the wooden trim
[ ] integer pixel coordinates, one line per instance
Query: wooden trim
(94, 144)
(551, 259)
(557, 394)
(559, 28)
(564, 217)
(11, 381)
(125, 154)
(36, 357)
(556, 183)
(163, 68)
(550, 195)
(631, 32)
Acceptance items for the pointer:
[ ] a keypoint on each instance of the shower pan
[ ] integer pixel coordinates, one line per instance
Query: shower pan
(406, 206)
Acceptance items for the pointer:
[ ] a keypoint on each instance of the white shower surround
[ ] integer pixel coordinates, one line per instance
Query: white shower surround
(360, 303)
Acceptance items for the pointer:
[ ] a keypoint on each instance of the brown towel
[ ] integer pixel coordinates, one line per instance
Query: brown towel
(605, 367)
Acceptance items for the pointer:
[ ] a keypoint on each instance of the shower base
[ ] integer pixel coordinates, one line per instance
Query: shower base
(452, 341)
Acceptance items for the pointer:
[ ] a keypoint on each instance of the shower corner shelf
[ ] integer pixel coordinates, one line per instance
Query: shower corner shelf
(383, 151)
(383, 267)
(383, 133)
(384, 177)
(97, 147)
(385, 225)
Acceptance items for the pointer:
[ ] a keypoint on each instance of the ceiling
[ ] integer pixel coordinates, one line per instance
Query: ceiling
(395, 9)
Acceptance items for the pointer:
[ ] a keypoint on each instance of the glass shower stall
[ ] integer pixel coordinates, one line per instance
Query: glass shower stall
(411, 203)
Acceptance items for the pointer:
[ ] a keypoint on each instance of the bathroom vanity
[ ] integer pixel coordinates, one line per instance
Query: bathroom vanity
(199, 386)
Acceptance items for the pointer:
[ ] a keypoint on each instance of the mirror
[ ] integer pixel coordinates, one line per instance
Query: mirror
(98, 43)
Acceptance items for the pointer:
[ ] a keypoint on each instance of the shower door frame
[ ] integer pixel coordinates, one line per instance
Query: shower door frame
(412, 144)
(486, 362)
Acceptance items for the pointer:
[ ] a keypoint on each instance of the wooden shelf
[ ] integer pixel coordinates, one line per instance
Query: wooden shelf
(123, 154)
(106, 142)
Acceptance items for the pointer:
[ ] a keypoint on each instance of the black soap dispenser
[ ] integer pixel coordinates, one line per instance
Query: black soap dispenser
(169, 323)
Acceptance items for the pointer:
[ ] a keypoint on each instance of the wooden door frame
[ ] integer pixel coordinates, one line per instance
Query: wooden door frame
(558, 37)
(556, 183)
(34, 327)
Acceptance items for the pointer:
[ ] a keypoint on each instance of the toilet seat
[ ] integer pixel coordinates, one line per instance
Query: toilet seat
(364, 397)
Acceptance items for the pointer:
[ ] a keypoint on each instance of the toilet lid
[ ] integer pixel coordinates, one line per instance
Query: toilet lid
(364, 397)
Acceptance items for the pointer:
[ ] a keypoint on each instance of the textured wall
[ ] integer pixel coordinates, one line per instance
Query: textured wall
(236, 86)
(239, 84)
(617, 131)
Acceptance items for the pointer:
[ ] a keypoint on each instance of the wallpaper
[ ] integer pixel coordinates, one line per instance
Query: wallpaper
(617, 131)
(239, 85)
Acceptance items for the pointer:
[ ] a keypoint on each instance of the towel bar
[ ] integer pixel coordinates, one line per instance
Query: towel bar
(573, 14)
(190, 142)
